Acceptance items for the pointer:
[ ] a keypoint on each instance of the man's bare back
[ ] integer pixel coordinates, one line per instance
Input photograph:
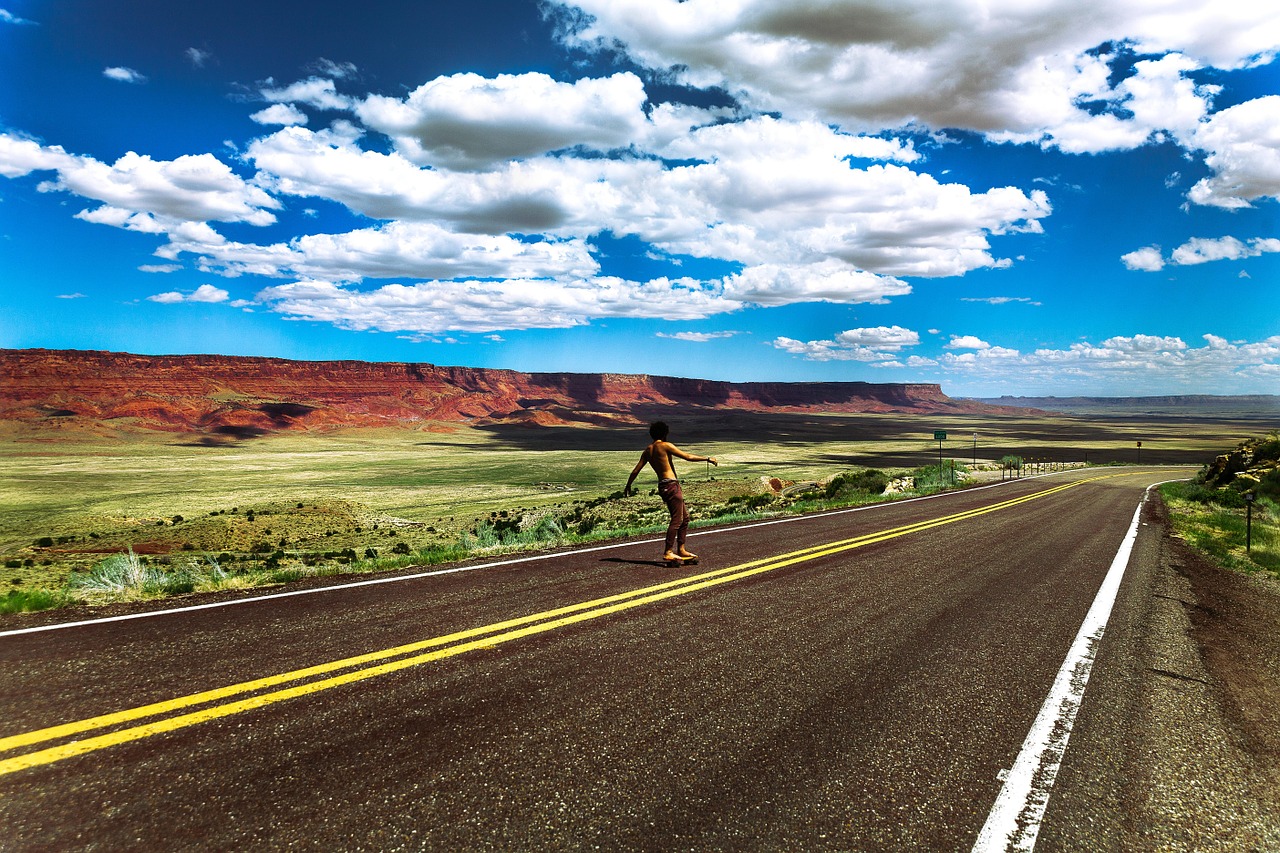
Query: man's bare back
(658, 457)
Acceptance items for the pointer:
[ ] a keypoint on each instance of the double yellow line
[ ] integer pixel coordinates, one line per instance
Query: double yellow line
(172, 714)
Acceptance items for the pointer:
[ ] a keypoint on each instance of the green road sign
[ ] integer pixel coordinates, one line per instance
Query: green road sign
(939, 435)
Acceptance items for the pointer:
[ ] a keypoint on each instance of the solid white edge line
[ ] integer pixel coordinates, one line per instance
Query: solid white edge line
(417, 575)
(1014, 821)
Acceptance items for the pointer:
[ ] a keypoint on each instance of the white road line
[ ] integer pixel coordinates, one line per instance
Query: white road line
(398, 578)
(1014, 821)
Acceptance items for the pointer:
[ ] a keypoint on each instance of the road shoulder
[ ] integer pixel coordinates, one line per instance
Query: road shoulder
(1211, 705)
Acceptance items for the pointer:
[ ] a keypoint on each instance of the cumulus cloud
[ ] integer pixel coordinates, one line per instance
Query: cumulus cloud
(124, 75)
(1200, 250)
(1007, 69)
(1136, 364)
(486, 306)
(815, 207)
(395, 250)
(495, 188)
(968, 342)
(879, 343)
(466, 121)
(1147, 259)
(318, 92)
(194, 188)
(1243, 151)
(204, 293)
(283, 114)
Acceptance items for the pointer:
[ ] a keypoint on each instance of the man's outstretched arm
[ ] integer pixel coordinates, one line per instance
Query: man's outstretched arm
(689, 457)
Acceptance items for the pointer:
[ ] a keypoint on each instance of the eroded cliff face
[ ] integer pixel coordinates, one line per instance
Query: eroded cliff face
(240, 397)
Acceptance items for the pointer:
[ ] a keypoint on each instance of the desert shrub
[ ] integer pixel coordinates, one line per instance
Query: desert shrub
(869, 481)
(28, 601)
(127, 575)
(510, 532)
(933, 478)
(44, 542)
(1199, 492)
(400, 548)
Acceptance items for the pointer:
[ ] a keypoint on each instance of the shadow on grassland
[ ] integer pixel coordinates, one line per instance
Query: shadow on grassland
(1054, 438)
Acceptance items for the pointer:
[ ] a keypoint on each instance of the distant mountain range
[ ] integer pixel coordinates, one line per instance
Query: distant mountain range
(1250, 405)
(230, 397)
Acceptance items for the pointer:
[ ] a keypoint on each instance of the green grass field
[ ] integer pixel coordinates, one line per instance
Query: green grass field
(334, 499)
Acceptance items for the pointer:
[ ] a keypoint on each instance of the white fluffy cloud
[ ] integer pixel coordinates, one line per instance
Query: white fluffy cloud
(483, 306)
(1243, 150)
(204, 293)
(1005, 68)
(194, 187)
(283, 114)
(745, 205)
(124, 75)
(1136, 364)
(1200, 250)
(396, 250)
(879, 343)
(488, 195)
(466, 121)
(318, 92)
(968, 342)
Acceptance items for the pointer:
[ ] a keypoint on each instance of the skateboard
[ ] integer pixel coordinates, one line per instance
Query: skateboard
(682, 561)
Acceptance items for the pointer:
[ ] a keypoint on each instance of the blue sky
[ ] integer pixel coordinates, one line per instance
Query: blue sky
(1079, 199)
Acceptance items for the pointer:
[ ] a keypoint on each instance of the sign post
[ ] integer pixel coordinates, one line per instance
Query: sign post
(1248, 522)
(939, 436)
(1139, 452)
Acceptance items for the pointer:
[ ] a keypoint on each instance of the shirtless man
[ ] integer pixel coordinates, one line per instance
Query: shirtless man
(658, 455)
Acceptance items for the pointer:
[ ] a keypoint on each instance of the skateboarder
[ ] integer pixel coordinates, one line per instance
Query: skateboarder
(659, 456)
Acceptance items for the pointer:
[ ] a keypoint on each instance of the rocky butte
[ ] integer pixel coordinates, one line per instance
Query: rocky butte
(241, 397)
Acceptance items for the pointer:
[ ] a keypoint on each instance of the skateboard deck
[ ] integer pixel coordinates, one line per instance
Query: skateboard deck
(683, 561)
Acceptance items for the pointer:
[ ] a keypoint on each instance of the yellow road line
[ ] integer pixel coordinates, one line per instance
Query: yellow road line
(455, 644)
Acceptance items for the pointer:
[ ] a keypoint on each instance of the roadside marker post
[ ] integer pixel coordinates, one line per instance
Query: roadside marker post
(1248, 522)
(939, 436)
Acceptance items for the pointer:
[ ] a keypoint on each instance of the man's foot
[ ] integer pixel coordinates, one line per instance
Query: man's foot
(685, 555)
(673, 560)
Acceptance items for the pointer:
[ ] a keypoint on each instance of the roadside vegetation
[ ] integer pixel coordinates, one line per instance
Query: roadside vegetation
(129, 576)
(81, 514)
(1231, 509)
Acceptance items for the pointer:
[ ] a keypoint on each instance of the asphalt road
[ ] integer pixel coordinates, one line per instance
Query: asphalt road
(848, 681)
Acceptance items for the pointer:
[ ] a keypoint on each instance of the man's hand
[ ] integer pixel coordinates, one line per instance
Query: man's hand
(626, 491)
(713, 461)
